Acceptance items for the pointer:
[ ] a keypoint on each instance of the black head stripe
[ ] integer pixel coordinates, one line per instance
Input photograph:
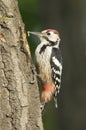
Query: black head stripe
(43, 48)
(51, 42)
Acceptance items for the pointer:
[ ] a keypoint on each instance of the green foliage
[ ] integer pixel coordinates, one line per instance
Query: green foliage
(29, 12)
(30, 16)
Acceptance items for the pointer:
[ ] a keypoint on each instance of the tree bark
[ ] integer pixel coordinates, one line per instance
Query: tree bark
(19, 100)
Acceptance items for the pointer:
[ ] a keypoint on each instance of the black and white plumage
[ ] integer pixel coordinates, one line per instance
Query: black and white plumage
(49, 64)
(56, 65)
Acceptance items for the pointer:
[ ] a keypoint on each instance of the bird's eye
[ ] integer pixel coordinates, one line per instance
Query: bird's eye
(48, 33)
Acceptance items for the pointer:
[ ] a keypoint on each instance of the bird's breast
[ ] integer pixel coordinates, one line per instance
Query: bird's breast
(43, 64)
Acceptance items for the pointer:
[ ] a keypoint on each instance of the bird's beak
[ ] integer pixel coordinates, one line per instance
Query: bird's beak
(35, 33)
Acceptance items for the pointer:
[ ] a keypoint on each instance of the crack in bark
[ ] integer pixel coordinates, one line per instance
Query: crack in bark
(19, 96)
(8, 114)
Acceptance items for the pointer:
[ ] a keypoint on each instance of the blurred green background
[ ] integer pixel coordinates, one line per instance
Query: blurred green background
(69, 18)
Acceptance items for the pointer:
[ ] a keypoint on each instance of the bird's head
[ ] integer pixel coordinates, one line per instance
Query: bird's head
(48, 35)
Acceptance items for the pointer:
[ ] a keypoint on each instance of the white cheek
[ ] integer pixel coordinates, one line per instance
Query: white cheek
(53, 37)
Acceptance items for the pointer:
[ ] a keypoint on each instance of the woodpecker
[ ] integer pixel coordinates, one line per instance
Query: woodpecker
(48, 64)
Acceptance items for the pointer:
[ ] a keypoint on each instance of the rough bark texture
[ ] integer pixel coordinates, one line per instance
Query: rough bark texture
(19, 100)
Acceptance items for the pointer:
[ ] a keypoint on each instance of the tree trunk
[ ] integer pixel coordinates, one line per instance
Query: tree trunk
(19, 100)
